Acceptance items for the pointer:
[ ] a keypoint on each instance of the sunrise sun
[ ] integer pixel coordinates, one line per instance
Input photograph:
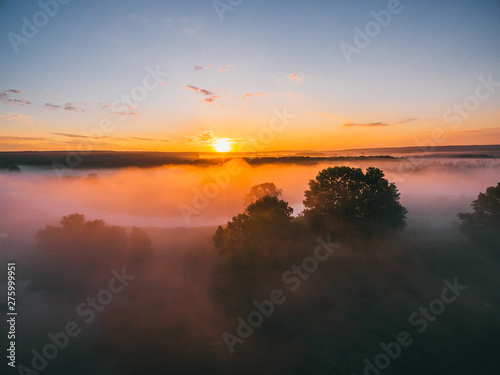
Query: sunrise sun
(222, 144)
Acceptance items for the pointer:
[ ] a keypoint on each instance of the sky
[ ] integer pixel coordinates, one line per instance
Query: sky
(241, 75)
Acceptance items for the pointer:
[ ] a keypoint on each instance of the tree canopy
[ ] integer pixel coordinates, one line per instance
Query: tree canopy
(80, 254)
(252, 238)
(483, 223)
(347, 195)
(259, 191)
(340, 200)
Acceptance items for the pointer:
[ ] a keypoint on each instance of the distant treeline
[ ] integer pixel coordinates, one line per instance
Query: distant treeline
(110, 159)
(94, 159)
(141, 159)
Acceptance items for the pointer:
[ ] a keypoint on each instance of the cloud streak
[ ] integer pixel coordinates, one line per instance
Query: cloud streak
(407, 120)
(198, 90)
(151, 139)
(370, 124)
(6, 97)
(16, 117)
(211, 97)
(295, 77)
(206, 136)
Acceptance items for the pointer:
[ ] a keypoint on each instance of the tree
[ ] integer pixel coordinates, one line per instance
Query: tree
(483, 224)
(80, 255)
(253, 240)
(259, 191)
(347, 197)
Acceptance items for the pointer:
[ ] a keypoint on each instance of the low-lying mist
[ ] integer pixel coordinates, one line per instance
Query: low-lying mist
(172, 299)
(189, 196)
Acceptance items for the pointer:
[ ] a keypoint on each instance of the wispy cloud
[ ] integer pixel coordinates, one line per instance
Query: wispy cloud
(211, 95)
(480, 130)
(71, 135)
(198, 90)
(295, 77)
(51, 106)
(126, 139)
(407, 120)
(206, 136)
(370, 124)
(249, 95)
(6, 97)
(151, 139)
(71, 107)
(13, 138)
(16, 117)
(128, 113)
(208, 66)
(79, 136)
(210, 99)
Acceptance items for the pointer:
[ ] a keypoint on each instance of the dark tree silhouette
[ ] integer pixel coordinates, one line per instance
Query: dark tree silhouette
(254, 239)
(344, 197)
(259, 191)
(483, 224)
(81, 254)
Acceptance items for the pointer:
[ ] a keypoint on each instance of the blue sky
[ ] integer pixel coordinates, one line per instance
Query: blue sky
(90, 53)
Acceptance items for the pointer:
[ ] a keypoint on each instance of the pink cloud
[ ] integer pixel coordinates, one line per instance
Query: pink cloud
(210, 99)
(16, 117)
(370, 124)
(52, 107)
(198, 90)
(295, 77)
(71, 107)
(5, 97)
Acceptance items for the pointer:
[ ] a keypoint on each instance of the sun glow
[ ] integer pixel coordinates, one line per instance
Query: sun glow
(222, 144)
